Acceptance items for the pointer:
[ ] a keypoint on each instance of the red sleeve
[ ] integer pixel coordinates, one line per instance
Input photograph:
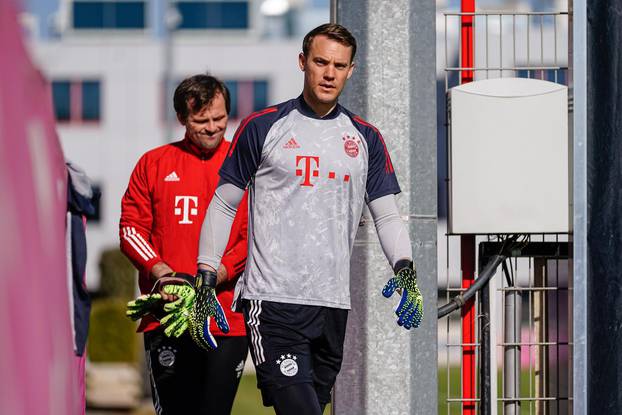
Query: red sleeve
(136, 220)
(234, 258)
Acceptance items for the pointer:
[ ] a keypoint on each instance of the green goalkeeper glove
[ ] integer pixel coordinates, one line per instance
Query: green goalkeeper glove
(178, 312)
(143, 305)
(178, 284)
(206, 306)
(410, 309)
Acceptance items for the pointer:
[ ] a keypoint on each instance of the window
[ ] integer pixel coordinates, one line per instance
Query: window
(62, 100)
(260, 95)
(213, 15)
(90, 100)
(76, 101)
(247, 96)
(232, 86)
(109, 14)
(320, 4)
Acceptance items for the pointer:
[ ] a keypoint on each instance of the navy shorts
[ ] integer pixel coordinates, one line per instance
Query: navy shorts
(293, 343)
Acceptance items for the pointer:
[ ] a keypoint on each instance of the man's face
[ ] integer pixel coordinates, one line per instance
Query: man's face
(326, 68)
(206, 127)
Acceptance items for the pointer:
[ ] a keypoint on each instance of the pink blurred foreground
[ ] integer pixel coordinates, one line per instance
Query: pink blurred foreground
(37, 364)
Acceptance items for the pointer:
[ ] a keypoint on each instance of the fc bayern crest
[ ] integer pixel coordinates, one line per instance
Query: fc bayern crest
(287, 364)
(351, 145)
(166, 356)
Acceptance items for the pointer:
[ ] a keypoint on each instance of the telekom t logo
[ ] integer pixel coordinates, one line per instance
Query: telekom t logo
(307, 170)
(186, 210)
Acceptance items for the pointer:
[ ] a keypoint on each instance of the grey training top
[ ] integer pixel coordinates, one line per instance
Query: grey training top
(308, 178)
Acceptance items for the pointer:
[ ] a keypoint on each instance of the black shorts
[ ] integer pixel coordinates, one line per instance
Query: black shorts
(293, 343)
(186, 379)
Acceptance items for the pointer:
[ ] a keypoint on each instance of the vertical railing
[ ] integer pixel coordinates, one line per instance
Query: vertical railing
(482, 45)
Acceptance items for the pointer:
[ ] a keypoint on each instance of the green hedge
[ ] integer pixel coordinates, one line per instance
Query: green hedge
(118, 276)
(112, 336)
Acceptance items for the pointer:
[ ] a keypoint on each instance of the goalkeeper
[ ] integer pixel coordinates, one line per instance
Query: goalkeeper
(162, 212)
(311, 165)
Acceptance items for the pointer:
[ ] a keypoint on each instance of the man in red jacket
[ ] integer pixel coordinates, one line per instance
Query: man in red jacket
(161, 216)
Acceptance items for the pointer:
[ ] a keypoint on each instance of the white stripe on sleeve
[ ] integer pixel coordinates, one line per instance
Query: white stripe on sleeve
(133, 245)
(149, 249)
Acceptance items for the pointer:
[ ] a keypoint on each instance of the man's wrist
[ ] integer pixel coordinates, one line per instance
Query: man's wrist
(159, 270)
(403, 263)
(206, 277)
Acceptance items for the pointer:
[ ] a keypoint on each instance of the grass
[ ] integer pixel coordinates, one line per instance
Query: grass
(247, 401)
(248, 398)
(454, 408)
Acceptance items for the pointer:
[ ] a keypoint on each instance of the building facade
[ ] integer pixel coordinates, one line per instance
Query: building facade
(113, 66)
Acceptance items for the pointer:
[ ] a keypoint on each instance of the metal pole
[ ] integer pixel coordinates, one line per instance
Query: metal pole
(467, 40)
(394, 88)
(540, 315)
(511, 354)
(333, 11)
(484, 332)
(467, 261)
(578, 86)
(168, 26)
(467, 242)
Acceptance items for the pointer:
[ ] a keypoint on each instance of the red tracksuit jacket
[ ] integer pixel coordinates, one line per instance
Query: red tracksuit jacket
(161, 216)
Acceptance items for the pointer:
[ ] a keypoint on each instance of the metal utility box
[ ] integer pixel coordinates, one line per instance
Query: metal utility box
(508, 157)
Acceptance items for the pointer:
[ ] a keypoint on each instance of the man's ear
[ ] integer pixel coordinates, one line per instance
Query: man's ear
(350, 70)
(181, 120)
(302, 60)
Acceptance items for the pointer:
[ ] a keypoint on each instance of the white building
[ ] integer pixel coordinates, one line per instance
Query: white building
(108, 62)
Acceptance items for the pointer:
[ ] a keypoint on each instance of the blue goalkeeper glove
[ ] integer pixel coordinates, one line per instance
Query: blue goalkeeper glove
(410, 309)
(206, 307)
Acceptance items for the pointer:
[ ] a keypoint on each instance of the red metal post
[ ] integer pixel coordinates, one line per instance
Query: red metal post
(467, 242)
(467, 46)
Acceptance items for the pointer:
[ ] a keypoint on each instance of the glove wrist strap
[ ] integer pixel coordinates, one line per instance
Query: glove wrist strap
(206, 277)
(401, 264)
(189, 279)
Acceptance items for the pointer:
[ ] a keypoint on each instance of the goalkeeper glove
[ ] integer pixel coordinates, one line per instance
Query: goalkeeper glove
(143, 305)
(152, 303)
(410, 309)
(178, 311)
(206, 306)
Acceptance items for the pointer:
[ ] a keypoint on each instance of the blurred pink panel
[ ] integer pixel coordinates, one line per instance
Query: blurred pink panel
(37, 373)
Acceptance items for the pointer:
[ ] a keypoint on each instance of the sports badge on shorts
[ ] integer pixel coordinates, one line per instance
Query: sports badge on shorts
(166, 356)
(287, 364)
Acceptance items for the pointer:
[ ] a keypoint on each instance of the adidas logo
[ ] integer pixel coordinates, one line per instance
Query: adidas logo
(172, 177)
(291, 143)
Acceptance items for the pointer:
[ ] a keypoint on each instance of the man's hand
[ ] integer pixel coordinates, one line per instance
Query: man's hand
(171, 278)
(206, 306)
(154, 303)
(410, 309)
